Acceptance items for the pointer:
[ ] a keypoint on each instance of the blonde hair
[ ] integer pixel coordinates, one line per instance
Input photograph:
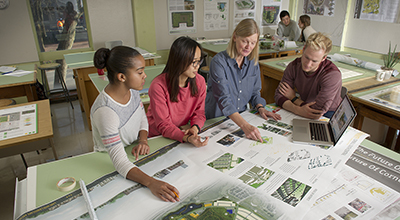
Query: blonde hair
(245, 28)
(318, 41)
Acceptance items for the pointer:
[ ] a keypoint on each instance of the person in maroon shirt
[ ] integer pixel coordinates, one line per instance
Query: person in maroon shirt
(317, 80)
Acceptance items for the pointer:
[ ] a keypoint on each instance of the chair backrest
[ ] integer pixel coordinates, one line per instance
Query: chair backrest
(343, 92)
(113, 43)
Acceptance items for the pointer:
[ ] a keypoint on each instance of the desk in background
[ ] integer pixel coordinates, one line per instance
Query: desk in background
(13, 146)
(213, 49)
(82, 65)
(12, 87)
(379, 112)
(271, 75)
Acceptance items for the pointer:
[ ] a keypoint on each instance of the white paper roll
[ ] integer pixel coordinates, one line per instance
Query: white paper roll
(355, 62)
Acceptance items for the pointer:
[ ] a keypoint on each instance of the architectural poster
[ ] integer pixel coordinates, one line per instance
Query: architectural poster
(216, 14)
(243, 9)
(377, 10)
(181, 16)
(319, 7)
(270, 10)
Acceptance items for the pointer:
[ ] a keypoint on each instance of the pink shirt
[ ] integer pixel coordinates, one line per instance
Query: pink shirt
(165, 117)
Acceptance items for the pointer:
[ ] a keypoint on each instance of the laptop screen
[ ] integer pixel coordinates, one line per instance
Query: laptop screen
(342, 118)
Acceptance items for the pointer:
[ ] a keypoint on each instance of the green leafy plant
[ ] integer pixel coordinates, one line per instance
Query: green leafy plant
(391, 58)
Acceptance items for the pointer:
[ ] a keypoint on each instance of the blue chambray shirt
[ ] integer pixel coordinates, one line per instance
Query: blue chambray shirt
(230, 88)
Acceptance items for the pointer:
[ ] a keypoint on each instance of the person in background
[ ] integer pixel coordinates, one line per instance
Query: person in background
(287, 28)
(177, 95)
(317, 80)
(305, 26)
(234, 80)
(118, 117)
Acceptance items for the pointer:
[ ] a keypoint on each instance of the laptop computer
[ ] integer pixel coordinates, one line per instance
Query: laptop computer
(322, 132)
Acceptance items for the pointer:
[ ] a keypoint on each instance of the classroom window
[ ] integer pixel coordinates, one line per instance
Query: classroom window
(59, 24)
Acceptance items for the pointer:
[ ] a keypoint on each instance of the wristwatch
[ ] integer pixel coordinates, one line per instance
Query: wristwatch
(294, 99)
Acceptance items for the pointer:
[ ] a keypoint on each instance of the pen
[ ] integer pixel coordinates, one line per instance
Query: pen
(176, 194)
(6, 73)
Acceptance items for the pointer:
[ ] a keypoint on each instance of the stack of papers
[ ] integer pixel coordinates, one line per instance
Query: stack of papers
(11, 71)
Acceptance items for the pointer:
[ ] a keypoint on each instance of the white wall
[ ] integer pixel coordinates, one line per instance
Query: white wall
(331, 25)
(17, 41)
(371, 36)
(111, 20)
(164, 39)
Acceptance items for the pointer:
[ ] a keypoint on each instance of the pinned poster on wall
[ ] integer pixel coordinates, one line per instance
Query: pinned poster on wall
(270, 12)
(181, 16)
(322, 7)
(216, 14)
(377, 10)
(243, 9)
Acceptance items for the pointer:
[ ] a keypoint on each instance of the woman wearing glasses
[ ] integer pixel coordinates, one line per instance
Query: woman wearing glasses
(177, 95)
(234, 80)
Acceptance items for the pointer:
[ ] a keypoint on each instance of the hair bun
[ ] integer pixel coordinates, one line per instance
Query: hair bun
(100, 58)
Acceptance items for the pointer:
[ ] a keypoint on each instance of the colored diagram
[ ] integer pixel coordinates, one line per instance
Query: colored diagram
(371, 6)
(345, 213)
(221, 6)
(225, 162)
(380, 193)
(223, 200)
(359, 205)
(228, 140)
(245, 4)
(270, 13)
(291, 192)
(275, 130)
(266, 140)
(179, 18)
(256, 176)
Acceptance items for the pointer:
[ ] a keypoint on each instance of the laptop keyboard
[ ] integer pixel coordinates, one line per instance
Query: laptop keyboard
(318, 132)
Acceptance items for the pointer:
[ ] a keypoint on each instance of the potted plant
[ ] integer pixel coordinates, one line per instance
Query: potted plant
(389, 61)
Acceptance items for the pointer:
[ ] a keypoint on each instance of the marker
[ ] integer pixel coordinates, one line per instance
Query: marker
(176, 194)
(7, 72)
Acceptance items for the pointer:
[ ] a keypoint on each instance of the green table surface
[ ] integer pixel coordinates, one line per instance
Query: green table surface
(359, 94)
(6, 80)
(366, 72)
(85, 59)
(88, 167)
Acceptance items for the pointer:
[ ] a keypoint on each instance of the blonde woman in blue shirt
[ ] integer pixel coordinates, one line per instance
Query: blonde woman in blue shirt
(234, 80)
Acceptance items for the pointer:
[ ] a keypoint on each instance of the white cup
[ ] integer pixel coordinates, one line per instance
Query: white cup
(380, 75)
(388, 74)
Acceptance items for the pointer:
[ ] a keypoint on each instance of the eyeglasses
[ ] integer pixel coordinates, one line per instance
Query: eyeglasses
(197, 63)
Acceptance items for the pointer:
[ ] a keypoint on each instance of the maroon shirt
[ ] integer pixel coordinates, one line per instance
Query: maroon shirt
(323, 86)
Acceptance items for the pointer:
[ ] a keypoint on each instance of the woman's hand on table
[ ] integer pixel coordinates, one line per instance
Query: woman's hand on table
(264, 113)
(141, 149)
(251, 132)
(163, 190)
(196, 140)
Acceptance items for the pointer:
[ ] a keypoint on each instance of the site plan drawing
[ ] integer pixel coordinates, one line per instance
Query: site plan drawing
(276, 179)
(18, 121)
